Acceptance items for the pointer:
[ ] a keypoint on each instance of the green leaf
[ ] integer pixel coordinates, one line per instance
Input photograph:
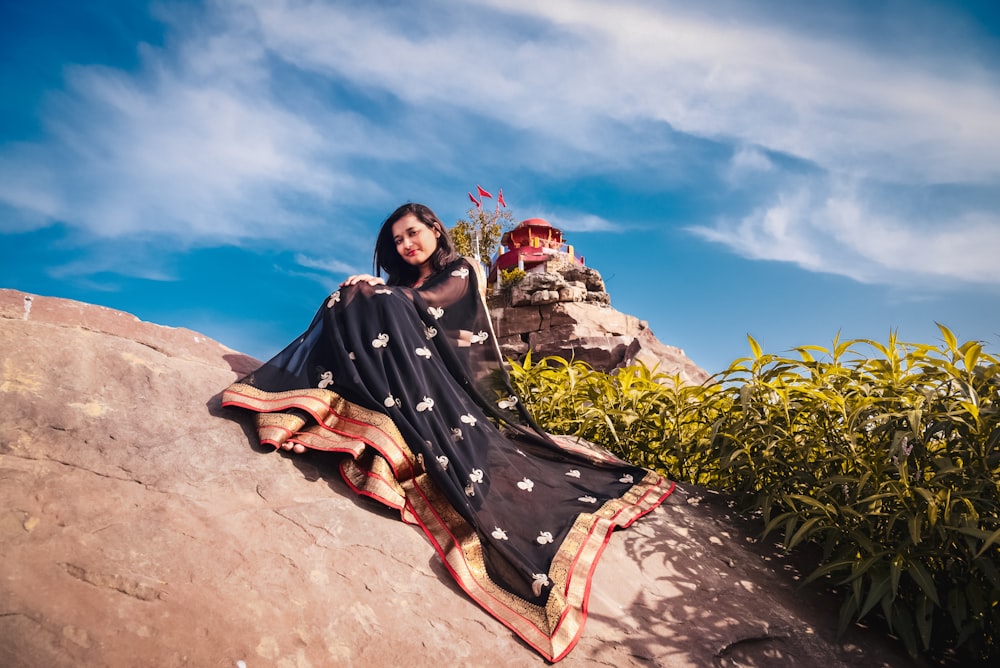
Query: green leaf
(949, 338)
(972, 356)
(895, 571)
(914, 526)
(923, 579)
(925, 620)
(847, 610)
(803, 531)
(902, 624)
(829, 568)
(957, 607)
(776, 521)
(993, 537)
(755, 347)
(879, 589)
(809, 501)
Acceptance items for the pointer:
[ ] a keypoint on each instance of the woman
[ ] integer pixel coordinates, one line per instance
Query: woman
(405, 377)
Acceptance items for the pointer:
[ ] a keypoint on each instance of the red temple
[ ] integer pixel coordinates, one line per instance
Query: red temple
(531, 246)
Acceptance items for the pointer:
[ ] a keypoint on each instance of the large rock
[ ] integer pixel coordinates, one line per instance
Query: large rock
(588, 331)
(141, 526)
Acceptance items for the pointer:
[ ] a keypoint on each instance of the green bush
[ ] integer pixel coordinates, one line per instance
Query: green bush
(511, 277)
(885, 456)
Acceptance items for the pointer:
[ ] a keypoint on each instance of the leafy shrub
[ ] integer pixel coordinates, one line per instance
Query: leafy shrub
(885, 456)
(511, 277)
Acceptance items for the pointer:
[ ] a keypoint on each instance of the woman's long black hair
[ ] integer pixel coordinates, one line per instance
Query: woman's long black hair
(387, 258)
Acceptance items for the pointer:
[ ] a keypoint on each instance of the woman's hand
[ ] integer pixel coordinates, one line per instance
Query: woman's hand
(358, 278)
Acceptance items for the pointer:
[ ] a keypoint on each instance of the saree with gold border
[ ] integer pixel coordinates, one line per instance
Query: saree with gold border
(409, 384)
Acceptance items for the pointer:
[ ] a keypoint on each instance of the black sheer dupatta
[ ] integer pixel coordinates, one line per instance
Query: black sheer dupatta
(409, 384)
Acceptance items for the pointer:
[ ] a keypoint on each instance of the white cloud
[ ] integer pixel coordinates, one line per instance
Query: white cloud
(580, 222)
(194, 147)
(750, 159)
(329, 265)
(566, 67)
(832, 102)
(834, 230)
(261, 118)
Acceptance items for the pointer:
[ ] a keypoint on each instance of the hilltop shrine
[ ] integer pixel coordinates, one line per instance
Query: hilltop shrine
(533, 246)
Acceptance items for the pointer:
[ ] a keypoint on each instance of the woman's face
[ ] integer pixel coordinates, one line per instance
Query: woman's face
(415, 242)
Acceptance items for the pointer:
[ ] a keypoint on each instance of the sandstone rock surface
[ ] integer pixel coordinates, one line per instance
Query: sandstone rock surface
(566, 312)
(141, 526)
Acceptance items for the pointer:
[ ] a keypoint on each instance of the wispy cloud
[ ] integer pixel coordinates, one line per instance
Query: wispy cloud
(195, 146)
(841, 232)
(261, 118)
(581, 222)
(329, 265)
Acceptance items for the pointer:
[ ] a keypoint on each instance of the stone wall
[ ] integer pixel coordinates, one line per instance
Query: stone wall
(566, 311)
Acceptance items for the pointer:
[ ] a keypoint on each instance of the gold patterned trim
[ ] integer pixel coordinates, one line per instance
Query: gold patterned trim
(338, 416)
(383, 467)
(370, 475)
(556, 628)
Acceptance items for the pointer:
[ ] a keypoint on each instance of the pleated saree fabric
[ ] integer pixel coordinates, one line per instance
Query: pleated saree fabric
(408, 384)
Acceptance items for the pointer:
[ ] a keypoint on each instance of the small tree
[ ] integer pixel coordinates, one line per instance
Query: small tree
(488, 226)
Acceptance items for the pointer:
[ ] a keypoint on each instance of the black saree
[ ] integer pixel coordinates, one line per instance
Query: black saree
(409, 383)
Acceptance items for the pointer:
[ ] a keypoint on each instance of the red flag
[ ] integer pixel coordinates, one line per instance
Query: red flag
(500, 198)
(479, 205)
(483, 193)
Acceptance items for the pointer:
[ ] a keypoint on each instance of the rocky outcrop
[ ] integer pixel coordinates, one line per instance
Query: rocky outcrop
(142, 526)
(567, 312)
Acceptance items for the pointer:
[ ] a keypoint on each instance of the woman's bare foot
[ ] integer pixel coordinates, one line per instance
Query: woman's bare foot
(297, 448)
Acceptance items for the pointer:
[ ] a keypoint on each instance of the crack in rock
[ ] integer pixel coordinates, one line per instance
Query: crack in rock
(749, 641)
(76, 466)
(118, 583)
(298, 524)
(71, 465)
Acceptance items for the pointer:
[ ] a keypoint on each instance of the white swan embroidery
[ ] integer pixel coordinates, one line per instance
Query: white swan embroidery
(587, 499)
(520, 452)
(476, 476)
(380, 341)
(352, 356)
(443, 461)
(390, 401)
(627, 478)
(426, 405)
(383, 291)
(470, 490)
(573, 473)
(499, 533)
(334, 298)
(544, 537)
(468, 419)
(423, 352)
(539, 580)
(325, 378)
(508, 402)
(526, 484)
(461, 272)
(435, 311)
(479, 337)
(456, 433)
(430, 332)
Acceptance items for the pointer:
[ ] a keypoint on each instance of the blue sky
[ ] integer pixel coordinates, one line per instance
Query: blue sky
(731, 167)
